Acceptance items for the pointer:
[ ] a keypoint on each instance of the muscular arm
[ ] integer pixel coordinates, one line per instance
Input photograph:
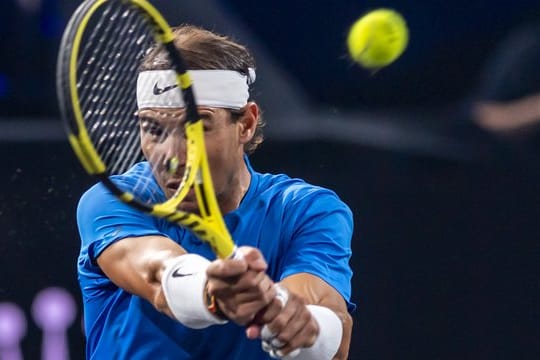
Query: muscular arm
(136, 265)
(314, 290)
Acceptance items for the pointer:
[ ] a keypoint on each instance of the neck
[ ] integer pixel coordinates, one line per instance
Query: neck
(238, 185)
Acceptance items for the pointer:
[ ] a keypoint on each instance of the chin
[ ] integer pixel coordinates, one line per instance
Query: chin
(190, 206)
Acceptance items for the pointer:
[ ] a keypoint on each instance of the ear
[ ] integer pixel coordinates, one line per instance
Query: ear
(247, 124)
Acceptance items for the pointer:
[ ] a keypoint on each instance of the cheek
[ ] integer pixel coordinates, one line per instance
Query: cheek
(218, 153)
(150, 150)
(146, 147)
(221, 157)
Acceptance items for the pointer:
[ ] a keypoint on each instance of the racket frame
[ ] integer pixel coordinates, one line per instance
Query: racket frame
(209, 226)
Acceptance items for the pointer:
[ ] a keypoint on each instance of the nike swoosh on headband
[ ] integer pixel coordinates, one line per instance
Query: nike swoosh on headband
(158, 91)
(214, 88)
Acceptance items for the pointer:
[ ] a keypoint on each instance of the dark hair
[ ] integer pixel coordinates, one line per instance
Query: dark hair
(205, 50)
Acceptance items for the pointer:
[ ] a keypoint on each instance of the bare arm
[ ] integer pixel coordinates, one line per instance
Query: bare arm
(293, 325)
(136, 265)
(509, 116)
(314, 290)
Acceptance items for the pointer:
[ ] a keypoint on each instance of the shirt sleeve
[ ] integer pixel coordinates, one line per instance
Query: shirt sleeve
(321, 228)
(103, 219)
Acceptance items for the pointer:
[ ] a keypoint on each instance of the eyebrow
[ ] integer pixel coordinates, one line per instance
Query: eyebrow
(203, 115)
(147, 119)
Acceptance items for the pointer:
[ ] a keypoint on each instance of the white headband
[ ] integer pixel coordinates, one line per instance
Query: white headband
(213, 88)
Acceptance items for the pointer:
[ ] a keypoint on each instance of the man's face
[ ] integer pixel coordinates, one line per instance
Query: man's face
(162, 139)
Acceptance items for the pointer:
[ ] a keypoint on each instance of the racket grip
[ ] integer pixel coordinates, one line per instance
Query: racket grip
(236, 255)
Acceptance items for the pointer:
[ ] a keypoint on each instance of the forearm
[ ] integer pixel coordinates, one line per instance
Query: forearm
(329, 310)
(240, 286)
(137, 264)
(337, 306)
(314, 297)
(347, 323)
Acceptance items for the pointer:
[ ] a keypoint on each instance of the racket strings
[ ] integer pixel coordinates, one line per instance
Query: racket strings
(116, 98)
(111, 50)
(109, 58)
(96, 76)
(91, 56)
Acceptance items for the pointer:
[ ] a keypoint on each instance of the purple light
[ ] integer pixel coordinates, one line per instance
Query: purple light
(54, 309)
(12, 325)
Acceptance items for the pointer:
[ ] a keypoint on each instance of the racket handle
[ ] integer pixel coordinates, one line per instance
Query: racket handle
(236, 255)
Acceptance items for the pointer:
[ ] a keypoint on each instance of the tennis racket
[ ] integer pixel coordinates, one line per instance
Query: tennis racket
(101, 50)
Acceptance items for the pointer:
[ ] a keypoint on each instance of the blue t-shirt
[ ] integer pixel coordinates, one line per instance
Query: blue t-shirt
(297, 226)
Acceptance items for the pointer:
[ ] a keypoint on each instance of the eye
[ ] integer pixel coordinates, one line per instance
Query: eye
(153, 129)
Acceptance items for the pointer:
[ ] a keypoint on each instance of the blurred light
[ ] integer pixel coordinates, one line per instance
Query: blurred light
(30, 6)
(12, 325)
(54, 309)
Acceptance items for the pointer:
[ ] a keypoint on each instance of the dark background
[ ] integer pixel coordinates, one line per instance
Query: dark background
(450, 42)
(446, 248)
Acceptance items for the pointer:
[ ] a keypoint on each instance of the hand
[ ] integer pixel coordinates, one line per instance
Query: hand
(240, 286)
(288, 325)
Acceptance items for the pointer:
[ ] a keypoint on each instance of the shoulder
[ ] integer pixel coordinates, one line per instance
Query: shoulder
(294, 192)
(99, 195)
(102, 219)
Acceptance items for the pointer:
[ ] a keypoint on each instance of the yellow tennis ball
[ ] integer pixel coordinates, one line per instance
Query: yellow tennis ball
(378, 38)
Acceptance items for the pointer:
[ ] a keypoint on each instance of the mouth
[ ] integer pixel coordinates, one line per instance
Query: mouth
(171, 187)
(173, 184)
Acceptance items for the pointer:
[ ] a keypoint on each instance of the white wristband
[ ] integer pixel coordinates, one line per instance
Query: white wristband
(324, 348)
(183, 282)
(329, 339)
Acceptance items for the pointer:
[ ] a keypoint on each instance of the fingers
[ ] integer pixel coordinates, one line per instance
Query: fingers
(247, 257)
(243, 306)
(240, 285)
(224, 269)
(253, 331)
(253, 258)
(241, 301)
(248, 285)
(274, 307)
(267, 314)
(293, 327)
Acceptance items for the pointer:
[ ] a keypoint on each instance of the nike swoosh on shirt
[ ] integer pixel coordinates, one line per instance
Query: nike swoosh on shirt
(177, 274)
(158, 91)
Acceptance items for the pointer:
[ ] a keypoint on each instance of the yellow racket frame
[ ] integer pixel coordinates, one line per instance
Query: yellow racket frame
(209, 226)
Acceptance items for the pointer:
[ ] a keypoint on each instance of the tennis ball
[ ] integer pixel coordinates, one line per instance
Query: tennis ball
(377, 38)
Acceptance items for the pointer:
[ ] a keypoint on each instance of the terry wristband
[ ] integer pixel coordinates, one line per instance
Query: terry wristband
(324, 348)
(329, 339)
(183, 282)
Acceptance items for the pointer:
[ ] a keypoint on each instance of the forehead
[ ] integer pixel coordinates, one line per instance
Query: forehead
(161, 113)
(164, 114)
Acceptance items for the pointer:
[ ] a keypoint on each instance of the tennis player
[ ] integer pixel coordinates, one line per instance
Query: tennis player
(153, 290)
